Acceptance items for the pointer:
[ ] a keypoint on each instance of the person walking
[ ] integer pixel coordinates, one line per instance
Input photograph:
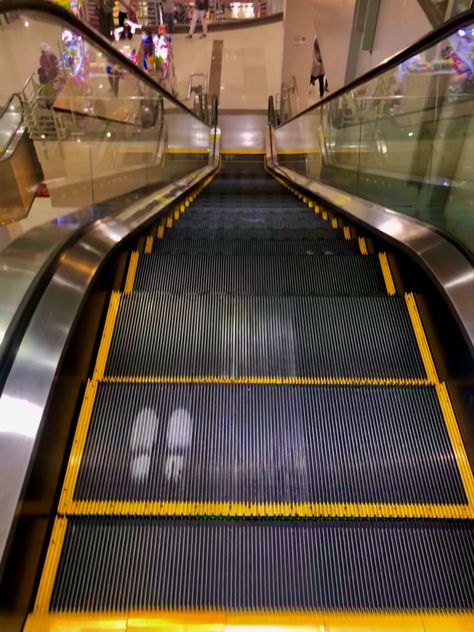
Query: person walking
(106, 19)
(199, 13)
(122, 17)
(317, 69)
(168, 14)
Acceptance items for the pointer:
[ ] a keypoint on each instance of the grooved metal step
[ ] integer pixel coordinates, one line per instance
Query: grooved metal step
(254, 247)
(237, 222)
(268, 444)
(263, 275)
(121, 564)
(264, 336)
(253, 232)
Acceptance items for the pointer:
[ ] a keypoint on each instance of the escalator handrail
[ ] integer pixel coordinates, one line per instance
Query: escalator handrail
(427, 41)
(51, 9)
(8, 150)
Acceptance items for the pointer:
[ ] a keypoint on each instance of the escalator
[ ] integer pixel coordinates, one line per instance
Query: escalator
(264, 434)
(239, 400)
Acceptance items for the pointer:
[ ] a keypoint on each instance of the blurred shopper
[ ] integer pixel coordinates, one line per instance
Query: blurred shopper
(168, 14)
(124, 8)
(199, 13)
(317, 70)
(106, 19)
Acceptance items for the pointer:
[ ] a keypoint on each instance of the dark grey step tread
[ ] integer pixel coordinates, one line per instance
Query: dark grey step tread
(263, 275)
(123, 564)
(304, 336)
(268, 444)
(256, 247)
(257, 233)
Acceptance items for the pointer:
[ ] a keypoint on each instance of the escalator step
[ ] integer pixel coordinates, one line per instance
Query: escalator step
(268, 444)
(247, 222)
(264, 336)
(123, 564)
(253, 232)
(263, 275)
(252, 247)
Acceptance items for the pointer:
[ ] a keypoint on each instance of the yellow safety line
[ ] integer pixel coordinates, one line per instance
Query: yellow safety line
(457, 444)
(334, 223)
(270, 509)
(243, 152)
(75, 456)
(50, 567)
(363, 246)
(160, 232)
(347, 233)
(324, 215)
(106, 336)
(421, 339)
(187, 151)
(387, 274)
(298, 152)
(132, 270)
(260, 621)
(309, 381)
(148, 247)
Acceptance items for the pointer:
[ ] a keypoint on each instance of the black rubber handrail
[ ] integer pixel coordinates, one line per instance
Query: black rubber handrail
(427, 41)
(46, 7)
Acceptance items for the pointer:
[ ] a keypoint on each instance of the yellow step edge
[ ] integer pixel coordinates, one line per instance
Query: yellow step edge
(106, 336)
(334, 223)
(50, 567)
(131, 272)
(160, 232)
(283, 510)
(77, 448)
(363, 246)
(387, 274)
(347, 233)
(457, 444)
(264, 621)
(324, 215)
(148, 246)
(421, 339)
(310, 381)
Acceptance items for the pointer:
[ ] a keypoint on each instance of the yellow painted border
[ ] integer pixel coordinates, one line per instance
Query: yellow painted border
(77, 449)
(363, 246)
(148, 247)
(457, 444)
(268, 510)
(243, 152)
(310, 381)
(132, 271)
(219, 621)
(50, 567)
(106, 336)
(387, 274)
(347, 233)
(421, 339)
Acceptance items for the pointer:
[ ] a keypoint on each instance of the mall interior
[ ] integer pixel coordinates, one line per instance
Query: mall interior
(237, 315)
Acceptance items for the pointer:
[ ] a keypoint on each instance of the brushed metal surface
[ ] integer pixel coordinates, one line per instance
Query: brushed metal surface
(38, 359)
(445, 264)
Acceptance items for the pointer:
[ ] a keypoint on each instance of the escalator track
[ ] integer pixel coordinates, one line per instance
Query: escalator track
(264, 434)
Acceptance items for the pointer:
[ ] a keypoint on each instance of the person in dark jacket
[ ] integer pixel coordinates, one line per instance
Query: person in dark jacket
(106, 19)
(199, 13)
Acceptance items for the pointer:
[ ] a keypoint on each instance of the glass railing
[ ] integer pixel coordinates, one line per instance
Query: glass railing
(11, 120)
(402, 136)
(439, 11)
(99, 127)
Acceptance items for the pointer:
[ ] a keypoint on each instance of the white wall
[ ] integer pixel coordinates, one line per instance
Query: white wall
(298, 46)
(400, 23)
(332, 21)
